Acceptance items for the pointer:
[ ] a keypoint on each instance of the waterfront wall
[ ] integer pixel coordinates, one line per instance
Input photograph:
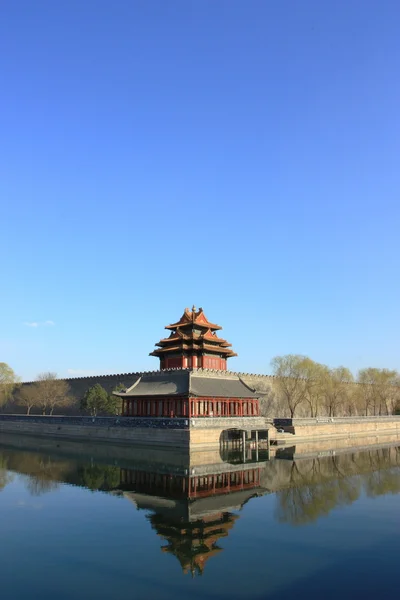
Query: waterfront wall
(199, 433)
(338, 426)
(154, 432)
(179, 433)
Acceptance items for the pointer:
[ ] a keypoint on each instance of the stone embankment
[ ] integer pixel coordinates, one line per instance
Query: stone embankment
(199, 432)
(117, 430)
(291, 431)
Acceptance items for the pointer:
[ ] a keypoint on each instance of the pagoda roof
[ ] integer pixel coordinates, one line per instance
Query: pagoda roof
(193, 333)
(193, 346)
(185, 382)
(196, 317)
(179, 335)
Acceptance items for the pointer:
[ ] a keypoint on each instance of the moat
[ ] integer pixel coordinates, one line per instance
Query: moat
(98, 521)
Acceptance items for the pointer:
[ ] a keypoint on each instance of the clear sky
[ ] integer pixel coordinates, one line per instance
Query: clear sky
(239, 155)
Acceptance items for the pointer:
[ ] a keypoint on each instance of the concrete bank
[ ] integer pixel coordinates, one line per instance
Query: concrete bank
(200, 433)
(291, 431)
(132, 431)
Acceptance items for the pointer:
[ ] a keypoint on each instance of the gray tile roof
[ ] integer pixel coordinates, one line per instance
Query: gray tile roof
(162, 383)
(192, 383)
(220, 387)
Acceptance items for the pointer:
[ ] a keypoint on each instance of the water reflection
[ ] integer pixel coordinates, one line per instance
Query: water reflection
(316, 486)
(192, 500)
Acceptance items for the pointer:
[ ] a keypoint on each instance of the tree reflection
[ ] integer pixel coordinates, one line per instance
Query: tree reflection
(5, 476)
(319, 485)
(99, 477)
(45, 473)
(37, 486)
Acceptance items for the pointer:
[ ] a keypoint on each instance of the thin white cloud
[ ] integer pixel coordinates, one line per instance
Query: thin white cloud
(39, 323)
(81, 372)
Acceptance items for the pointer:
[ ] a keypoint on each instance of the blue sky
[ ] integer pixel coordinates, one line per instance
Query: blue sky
(241, 156)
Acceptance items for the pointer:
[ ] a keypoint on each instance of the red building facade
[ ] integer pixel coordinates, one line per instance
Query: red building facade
(193, 380)
(193, 344)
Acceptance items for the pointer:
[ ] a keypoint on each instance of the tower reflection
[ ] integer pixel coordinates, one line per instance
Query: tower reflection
(192, 499)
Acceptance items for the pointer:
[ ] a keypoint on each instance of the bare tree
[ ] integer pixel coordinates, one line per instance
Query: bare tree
(337, 390)
(364, 393)
(379, 390)
(289, 380)
(387, 390)
(54, 392)
(29, 396)
(315, 376)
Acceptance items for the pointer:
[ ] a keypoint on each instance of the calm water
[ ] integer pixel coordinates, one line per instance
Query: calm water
(101, 522)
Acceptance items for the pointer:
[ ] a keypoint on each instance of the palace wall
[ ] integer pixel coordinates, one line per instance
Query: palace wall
(79, 385)
(263, 384)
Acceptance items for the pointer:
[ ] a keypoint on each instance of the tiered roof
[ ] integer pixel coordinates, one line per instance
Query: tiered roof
(194, 543)
(193, 333)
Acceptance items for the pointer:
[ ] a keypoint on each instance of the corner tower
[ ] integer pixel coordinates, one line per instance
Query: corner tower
(193, 344)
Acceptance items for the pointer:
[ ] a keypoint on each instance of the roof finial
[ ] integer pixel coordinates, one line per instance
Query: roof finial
(194, 308)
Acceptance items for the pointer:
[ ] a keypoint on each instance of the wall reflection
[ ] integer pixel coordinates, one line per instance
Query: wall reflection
(192, 499)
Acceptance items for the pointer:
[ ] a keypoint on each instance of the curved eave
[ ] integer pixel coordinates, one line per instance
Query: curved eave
(193, 348)
(193, 339)
(207, 325)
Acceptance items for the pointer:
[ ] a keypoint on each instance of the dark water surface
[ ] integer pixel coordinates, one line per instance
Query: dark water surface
(100, 522)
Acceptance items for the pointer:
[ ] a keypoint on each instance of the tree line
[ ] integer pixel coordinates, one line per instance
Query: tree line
(48, 394)
(303, 387)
